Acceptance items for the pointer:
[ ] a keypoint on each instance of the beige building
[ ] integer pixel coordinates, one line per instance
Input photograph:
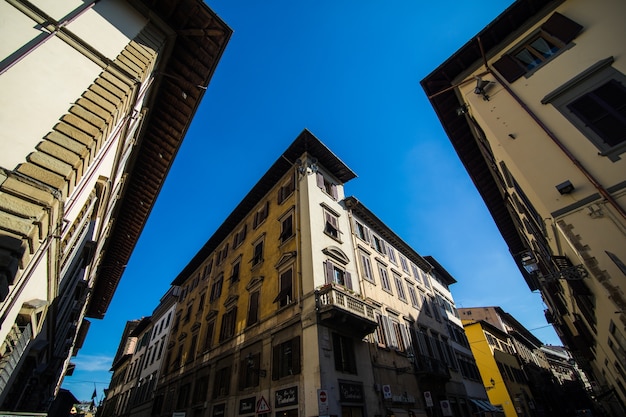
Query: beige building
(304, 303)
(96, 99)
(534, 106)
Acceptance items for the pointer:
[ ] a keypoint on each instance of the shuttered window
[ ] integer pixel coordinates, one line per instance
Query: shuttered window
(553, 36)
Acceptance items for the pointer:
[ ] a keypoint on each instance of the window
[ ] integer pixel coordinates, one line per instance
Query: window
(331, 224)
(595, 103)
(200, 389)
(222, 382)
(285, 295)
(362, 232)
(327, 186)
(405, 264)
(183, 397)
(234, 276)
(337, 275)
(286, 189)
(413, 296)
(366, 266)
(398, 330)
(426, 306)
(257, 257)
(553, 36)
(286, 359)
(208, 337)
(286, 227)
(253, 308)
(249, 368)
(261, 215)
(378, 244)
(379, 336)
(229, 319)
(384, 277)
(392, 254)
(207, 269)
(191, 353)
(188, 313)
(216, 288)
(240, 236)
(221, 255)
(399, 287)
(416, 273)
(201, 303)
(343, 348)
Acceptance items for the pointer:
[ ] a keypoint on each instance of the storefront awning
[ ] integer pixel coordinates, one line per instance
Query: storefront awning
(484, 405)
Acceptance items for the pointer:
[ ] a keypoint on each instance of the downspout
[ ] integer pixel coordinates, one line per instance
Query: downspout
(45, 21)
(553, 137)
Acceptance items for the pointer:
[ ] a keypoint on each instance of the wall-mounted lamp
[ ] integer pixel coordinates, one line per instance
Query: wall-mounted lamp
(481, 85)
(460, 111)
(529, 263)
(565, 187)
(493, 384)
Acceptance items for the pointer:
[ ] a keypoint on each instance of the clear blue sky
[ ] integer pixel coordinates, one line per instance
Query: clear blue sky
(348, 71)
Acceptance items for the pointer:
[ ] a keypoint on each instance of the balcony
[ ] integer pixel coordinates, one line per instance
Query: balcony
(15, 345)
(431, 368)
(345, 311)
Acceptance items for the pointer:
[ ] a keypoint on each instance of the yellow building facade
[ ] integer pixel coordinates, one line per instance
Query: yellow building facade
(499, 369)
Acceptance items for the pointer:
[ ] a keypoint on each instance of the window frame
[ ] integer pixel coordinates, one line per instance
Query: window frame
(385, 282)
(344, 354)
(331, 224)
(585, 84)
(557, 28)
(285, 292)
(333, 270)
(327, 186)
(257, 255)
(261, 215)
(366, 266)
(229, 324)
(399, 286)
(286, 359)
(286, 233)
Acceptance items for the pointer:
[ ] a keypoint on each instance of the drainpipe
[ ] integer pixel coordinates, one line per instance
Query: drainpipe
(45, 21)
(609, 198)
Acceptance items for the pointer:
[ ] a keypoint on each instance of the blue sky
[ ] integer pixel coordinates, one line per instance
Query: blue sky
(349, 72)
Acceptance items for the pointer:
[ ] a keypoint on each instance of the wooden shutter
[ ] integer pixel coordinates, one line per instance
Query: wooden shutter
(276, 362)
(562, 28)
(348, 280)
(295, 349)
(509, 68)
(328, 267)
(320, 180)
(333, 190)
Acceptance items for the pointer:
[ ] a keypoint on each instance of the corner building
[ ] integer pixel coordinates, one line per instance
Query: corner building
(295, 308)
(534, 107)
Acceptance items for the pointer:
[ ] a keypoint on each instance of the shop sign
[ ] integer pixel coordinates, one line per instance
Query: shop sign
(219, 410)
(286, 397)
(246, 406)
(350, 392)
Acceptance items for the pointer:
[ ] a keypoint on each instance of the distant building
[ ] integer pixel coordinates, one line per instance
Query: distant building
(534, 107)
(304, 303)
(150, 359)
(551, 397)
(118, 393)
(96, 99)
(500, 370)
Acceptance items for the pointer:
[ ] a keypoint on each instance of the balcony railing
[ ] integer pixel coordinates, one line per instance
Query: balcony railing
(340, 307)
(431, 367)
(16, 343)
